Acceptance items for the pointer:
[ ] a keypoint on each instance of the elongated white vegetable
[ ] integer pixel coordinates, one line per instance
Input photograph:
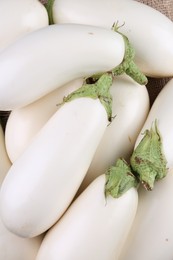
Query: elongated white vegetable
(94, 227)
(50, 57)
(4, 160)
(150, 32)
(44, 179)
(24, 123)
(13, 247)
(128, 98)
(130, 108)
(152, 236)
(19, 17)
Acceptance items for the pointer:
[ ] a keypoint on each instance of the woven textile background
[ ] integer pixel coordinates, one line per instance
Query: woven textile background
(166, 7)
(154, 85)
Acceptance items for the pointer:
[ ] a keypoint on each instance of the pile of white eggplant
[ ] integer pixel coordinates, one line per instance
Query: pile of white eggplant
(86, 164)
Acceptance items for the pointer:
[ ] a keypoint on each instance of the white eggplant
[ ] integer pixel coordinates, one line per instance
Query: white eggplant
(46, 59)
(44, 179)
(128, 98)
(149, 31)
(13, 247)
(94, 227)
(19, 17)
(152, 235)
(130, 108)
(24, 123)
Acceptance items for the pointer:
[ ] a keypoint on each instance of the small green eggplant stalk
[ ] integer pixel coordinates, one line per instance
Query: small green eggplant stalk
(100, 89)
(148, 160)
(128, 65)
(119, 179)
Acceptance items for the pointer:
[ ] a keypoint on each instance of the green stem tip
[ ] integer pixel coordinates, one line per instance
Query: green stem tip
(119, 179)
(128, 65)
(148, 160)
(49, 7)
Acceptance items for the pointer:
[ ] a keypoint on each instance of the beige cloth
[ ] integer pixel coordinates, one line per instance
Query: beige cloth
(166, 7)
(154, 85)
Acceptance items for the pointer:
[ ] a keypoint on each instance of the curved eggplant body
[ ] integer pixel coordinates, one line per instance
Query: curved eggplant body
(24, 123)
(149, 31)
(42, 182)
(151, 235)
(13, 247)
(51, 57)
(19, 17)
(94, 227)
(161, 111)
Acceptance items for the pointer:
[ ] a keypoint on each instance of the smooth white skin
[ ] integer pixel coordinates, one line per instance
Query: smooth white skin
(130, 108)
(19, 17)
(128, 98)
(13, 247)
(151, 236)
(162, 111)
(43, 181)
(149, 31)
(24, 123)
(29, 70)
(5, 163)
(93, 227)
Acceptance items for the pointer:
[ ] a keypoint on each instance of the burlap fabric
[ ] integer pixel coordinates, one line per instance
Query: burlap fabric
(154, 85)
(166, 7)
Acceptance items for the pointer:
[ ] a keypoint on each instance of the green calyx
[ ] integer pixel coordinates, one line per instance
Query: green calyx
(99, 89)
(119, 179)
(148, 160)
(49, 8)
(128, 65)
